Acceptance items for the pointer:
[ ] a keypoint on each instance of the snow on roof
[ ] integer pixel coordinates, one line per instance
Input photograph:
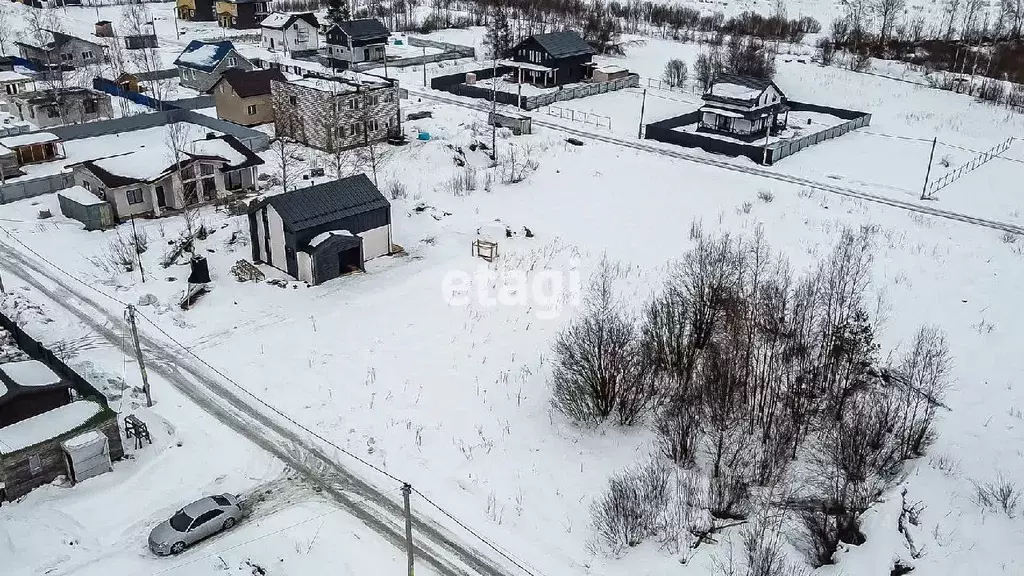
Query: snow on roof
(524, 65)
(30, 373)
(220, 148)
(27, 139)
(46, 425)
(83, 440)
(144, 165)
(333, 86)
(205, 56)
(722, 112)
(610, 68)
(81, 196)
(9, 76)
(736, 91)
(320, 238)
(275, 20)
(3, 389)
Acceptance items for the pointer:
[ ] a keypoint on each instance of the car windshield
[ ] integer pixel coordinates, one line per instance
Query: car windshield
(181, 521)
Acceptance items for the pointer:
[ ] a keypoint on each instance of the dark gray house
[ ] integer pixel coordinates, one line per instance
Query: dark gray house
(556, 58)
(59, 49)
(743, 106)
(201, 64)
(352, 41)
(321, 232)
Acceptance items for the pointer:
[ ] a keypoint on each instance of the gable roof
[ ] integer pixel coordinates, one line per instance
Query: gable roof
(732, 88)
(249, 83)
(225, 147)
(282, 20)
(563, 44)
(363, 29)
(307, 208)
(53, 40)
(204, 56)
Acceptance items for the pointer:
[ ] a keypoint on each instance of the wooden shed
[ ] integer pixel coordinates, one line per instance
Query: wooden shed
(36, 451)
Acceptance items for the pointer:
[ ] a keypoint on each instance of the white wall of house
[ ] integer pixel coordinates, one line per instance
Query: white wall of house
(305, 263)
(376, 242)
(276, 231)
(299, 36)
(126, 206)
(770, 96)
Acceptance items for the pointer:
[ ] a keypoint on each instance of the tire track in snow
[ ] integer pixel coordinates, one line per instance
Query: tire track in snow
(751, 170)
(434, 544)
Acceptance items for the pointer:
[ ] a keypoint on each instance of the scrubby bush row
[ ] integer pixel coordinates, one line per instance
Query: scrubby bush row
(743, 367)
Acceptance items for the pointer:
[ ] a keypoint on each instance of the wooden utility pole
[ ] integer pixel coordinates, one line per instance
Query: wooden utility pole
(424, 66)
(928, 174)
(130, 316)
(2, 291)
(643, 104)
(494, 107)
(406, 492)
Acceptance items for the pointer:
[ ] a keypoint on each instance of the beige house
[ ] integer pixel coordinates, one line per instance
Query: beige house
(148, 182)
(243, 97)
(13, 83)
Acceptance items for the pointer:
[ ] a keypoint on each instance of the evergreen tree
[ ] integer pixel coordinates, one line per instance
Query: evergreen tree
(338, 11)
(499, 34)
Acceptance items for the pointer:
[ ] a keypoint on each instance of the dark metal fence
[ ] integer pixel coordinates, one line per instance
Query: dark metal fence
(112, 88)
(456, 84)
(665, 131)
(37, 351)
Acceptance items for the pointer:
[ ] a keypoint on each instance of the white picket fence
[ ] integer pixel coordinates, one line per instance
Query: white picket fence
(585, 118)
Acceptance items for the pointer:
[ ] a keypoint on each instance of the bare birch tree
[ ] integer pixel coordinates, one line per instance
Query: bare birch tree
(887, 11)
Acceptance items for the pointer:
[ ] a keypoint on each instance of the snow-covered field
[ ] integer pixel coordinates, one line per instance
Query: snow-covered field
(455, 399)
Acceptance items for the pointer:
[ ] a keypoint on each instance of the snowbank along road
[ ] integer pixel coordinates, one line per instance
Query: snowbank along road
(434, 545)
(753, 170)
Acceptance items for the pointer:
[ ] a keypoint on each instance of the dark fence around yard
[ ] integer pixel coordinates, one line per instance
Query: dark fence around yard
(456, 84)
(37, 351)
(112, 88)
(665, 131)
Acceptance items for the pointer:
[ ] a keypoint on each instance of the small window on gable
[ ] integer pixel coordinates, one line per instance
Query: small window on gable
(293, 100)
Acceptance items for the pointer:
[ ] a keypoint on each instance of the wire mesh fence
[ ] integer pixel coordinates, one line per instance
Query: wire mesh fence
(585, 118)
(975, 163)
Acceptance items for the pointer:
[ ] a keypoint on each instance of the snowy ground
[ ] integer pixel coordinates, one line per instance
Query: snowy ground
(455, 398)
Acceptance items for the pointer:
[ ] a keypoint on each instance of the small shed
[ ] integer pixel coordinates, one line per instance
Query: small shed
(519, 124)
(608, 72)
(32, 451)
(79, 204)
(34, 147)
(140, 41)
(87, 455)
(29, 388)
(104, 29)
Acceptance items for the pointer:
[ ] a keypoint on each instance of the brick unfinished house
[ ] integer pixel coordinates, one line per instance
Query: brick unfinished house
(337, 113)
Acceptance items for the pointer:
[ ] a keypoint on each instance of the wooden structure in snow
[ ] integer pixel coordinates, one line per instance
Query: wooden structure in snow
(485, 249)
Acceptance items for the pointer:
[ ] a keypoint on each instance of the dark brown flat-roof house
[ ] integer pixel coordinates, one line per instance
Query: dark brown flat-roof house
(743, 106)
(556, 58)
(241, 14)
(244, 97)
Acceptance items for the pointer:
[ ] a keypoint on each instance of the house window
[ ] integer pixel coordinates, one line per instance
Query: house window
(357, 129)
(372, 100)
(89, 106)
(51, 112)
(388, 97)
(234, 180)
(67, 57)
(35, 464)
(251, 110)
(301, 34)
(339, 132)
(87, 185)
(12, 88)
(134, 196)
(87, 55)
(372, 125)
(293, 100)
(206, 169)
(231, 61)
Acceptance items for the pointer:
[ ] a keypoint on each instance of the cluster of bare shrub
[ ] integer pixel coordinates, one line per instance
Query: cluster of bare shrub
(742, 368)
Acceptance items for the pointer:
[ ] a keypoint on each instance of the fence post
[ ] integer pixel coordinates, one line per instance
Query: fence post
(928, 173)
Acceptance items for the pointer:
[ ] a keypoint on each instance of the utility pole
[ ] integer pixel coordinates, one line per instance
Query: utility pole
(2, 291)
(138, 254)
(643, 104)
(767, 135)
(928, 174)
(494, 106)
(424, 66)
(130, 317)
(406, 492)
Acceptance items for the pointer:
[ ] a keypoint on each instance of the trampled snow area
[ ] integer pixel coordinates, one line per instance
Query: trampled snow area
(30, 373)
(455, 398)
(46, 425)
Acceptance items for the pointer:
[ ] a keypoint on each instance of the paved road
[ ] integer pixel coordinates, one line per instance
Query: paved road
(743, 168)
(373, 505)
